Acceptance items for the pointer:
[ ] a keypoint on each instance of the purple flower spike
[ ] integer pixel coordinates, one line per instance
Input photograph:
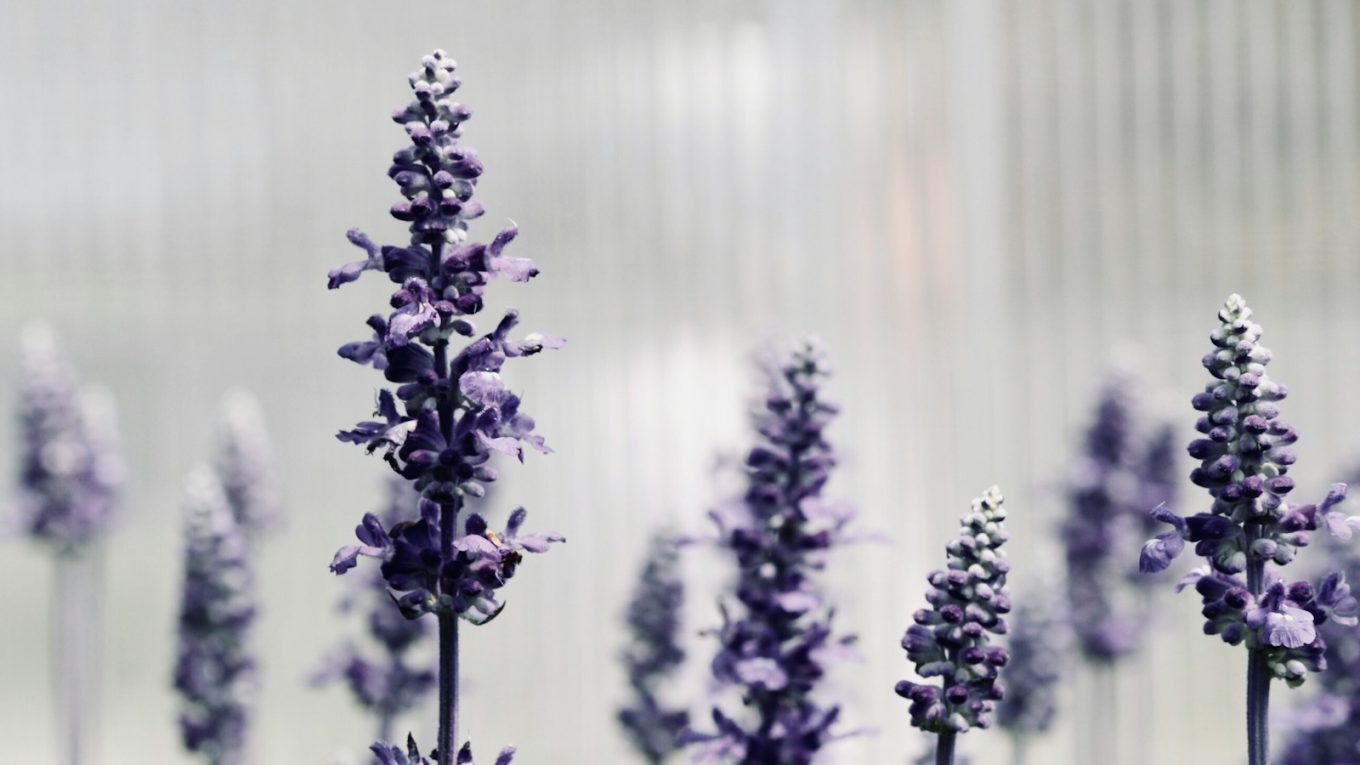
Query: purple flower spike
(1123, 471)
(449, 411)
(1251, 527)
(1039, 645)
(654, 654)
(244, 464)
(952, 640)
(215, 673)
(776, 645)
(70, 472)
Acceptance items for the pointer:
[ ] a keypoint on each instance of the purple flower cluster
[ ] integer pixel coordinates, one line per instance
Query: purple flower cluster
(1326, 730)
(1121, 474)
(215, 671)
(447, 415)
(385, 682)
(244, 464)
(1244, 459)
(70, 471)
(952, 639)
(775, 649)
(449, 411)
(1039, 646)
(654, 654)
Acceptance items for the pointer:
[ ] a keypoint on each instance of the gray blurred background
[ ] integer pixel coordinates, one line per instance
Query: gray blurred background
(977, 204)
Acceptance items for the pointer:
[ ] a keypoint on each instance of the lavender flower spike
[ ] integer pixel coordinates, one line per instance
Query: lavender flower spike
(215, 673)
(655, 653)
(1244, 463)
(70, 472)
(69, 477)
(244, 463)
(776, 647)
(449, 413)
(1039, 646)
(1117, 478)
(951, 639)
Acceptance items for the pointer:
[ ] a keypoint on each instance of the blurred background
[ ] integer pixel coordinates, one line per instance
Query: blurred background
(977, 204)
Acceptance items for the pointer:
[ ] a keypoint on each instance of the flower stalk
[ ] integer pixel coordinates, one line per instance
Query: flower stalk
(450, 412)
(952, 639)
(69, 478)
(777, 638)
(1251, 528)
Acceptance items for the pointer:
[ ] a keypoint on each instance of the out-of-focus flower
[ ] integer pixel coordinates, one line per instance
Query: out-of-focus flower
(776, 645)
(1121, 474)
(1244, 459)
(69, 470)
(952, 639)
(215, 673)
(1040, 644)
(654, 654)
(244, 463)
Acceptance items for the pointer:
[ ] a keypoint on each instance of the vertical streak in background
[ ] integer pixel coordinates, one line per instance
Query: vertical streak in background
(978, 304)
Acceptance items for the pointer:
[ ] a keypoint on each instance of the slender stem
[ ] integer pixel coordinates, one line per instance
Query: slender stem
(74, 624)
(448, 688)
(1258, 707)
(1019, 748)
(944, 750)
(385, 726)
(1106, 749)
(448, 622)
(1258, 669)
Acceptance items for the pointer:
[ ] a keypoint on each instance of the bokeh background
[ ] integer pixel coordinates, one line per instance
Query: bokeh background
(977, 204)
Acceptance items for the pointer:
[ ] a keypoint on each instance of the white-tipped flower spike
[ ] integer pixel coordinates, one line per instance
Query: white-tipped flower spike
(69, 472)
(244, 463)
(215, 672)
(1251, 528)
(952, 639)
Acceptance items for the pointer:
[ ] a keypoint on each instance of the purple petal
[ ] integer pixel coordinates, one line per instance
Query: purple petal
(1291, 627)
(506, 236)
(1192, 578)
(504, 445)
(516, 520)
(1164, 514)
(346, 558)
(538, 542)
(1340, 525)
(797, 602)
(1335, 496)
(482, 388)
(1158, 553)
(762, 672)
